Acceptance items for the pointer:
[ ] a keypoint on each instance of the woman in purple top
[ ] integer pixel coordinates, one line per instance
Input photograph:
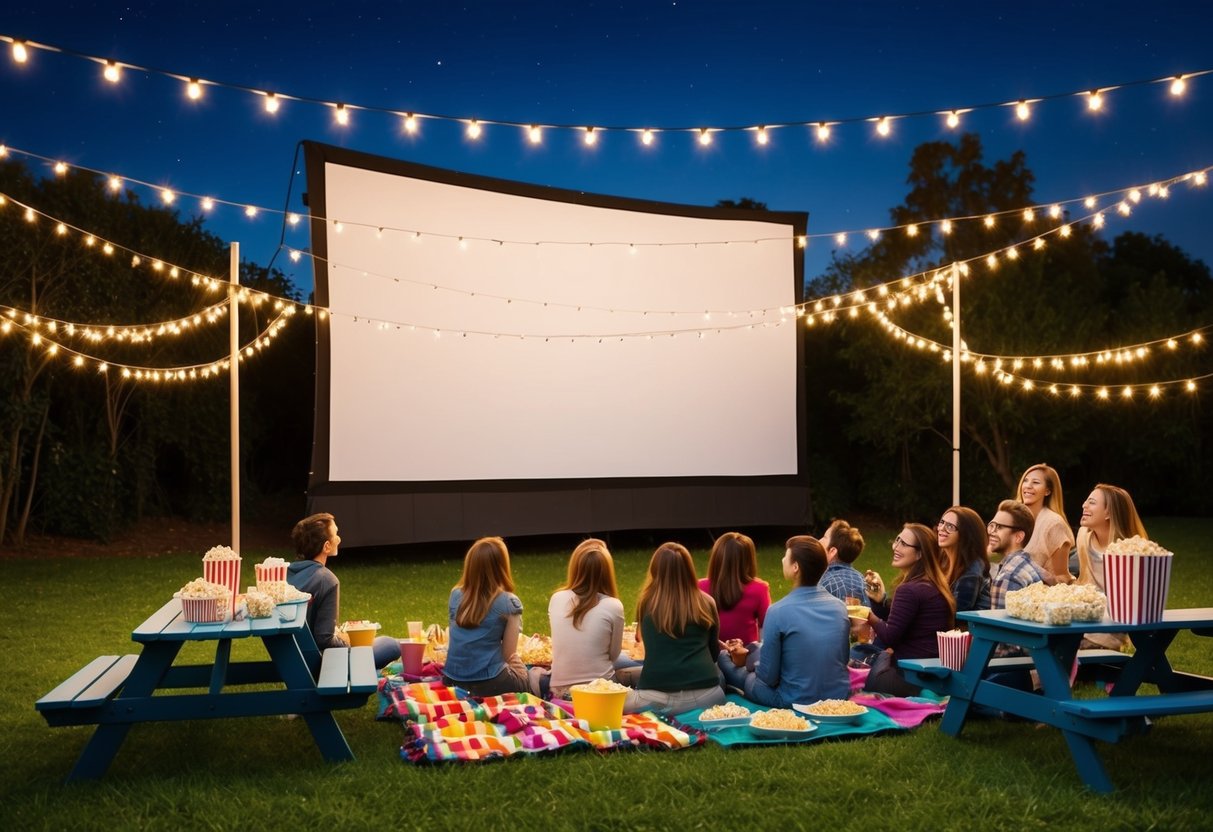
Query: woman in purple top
(741, 598)
(922, 604)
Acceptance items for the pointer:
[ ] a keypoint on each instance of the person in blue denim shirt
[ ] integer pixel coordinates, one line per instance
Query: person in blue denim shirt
(485, 620)
(803, 655)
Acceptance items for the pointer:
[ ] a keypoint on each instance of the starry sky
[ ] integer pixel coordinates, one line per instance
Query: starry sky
(710, 63)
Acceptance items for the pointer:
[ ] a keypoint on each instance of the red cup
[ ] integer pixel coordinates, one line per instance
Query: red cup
(412, 655)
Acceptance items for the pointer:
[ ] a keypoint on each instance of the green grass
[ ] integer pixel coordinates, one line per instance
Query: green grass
(266, 773)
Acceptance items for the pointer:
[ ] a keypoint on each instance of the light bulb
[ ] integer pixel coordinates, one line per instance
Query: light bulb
(115, 184)
(882, 126)
(1089, 202)
(207, 203)
(953, 120)
(293, 219)
(989, 221)
(20, 54)
(1023, 111)
(535, 134)
(1200, 178)
(761, 136)
(912, 230)
(1028, 215)
(1094, 100)
(874, 234)
(1054, 211)
(193, 90)
(112, 72)
(1178, 86)
(271, 103)
(946, 226)
(342, 115)
(705, 137)
(840, 238)
(590, 137)
(646, 137)
(60, 168)
(167, 195)
(473, 129)
(823, 132)
(250, 211)
(410, 123)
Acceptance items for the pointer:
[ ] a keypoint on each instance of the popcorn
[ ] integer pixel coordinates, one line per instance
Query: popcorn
(202, 588)
(205, 602)
(220, 553)
(781, 719)
(536, 649)
(1059, 604)
(601, 686)
(835, 707)
(729, 710)
(1135, 545)
(259, 604)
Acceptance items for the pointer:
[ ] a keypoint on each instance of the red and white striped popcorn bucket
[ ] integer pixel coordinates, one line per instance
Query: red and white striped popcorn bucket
(1136, 587)
(269, 574)
(953, 648)
(205, 610)
(225, 572)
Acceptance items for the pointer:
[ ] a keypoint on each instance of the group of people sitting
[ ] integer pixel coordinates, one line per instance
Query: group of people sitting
(702, 637)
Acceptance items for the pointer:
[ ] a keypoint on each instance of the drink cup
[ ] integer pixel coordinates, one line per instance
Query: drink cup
(415, 633)
(412, 655)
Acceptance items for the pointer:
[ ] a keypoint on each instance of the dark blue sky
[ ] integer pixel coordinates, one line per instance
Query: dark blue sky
(623, 63)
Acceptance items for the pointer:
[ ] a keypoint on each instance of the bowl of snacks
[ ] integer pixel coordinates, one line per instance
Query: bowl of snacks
(536, 650)
(726, 715)
(780, 723)
(837, 711)
(361, 632)
(859, 612)
(600, 703)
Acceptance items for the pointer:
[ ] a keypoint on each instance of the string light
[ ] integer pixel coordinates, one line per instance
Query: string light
(112, 72)
(473, 130)
(823, 132)
(705, 136)
(1177, 84)
(535, 134)
(271, 103)
(342, 115)
(760, 135)
(590, 138)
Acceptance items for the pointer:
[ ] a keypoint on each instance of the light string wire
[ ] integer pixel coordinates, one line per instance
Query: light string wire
(169, 196)
(145, 333)
(913, 287)
(184, 372)
(112, 71)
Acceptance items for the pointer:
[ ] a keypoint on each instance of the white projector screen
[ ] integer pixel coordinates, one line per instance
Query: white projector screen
(484, 333)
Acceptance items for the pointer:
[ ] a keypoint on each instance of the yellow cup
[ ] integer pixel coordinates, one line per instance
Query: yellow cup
(361, 636)
(601, 710)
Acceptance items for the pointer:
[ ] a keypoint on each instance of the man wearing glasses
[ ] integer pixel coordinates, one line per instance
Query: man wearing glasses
(1009, 531)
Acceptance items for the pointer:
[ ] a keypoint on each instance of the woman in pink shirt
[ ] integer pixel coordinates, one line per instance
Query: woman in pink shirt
(741, 598)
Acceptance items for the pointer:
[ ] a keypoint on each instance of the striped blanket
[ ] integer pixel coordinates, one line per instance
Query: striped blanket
(443, 723)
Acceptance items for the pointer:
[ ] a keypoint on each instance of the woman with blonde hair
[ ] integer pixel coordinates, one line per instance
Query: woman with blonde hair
(586, 618)
(921, 605)
(742, 599)
(1040, 490)
(680, 630)
(485, 620)
(963, 542)
(1108, 515)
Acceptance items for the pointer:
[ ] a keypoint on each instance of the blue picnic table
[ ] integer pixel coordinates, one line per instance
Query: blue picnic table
(1052, 650)
(116, 692)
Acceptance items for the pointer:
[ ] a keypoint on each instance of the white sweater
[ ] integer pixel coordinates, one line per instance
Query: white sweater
(585, 654)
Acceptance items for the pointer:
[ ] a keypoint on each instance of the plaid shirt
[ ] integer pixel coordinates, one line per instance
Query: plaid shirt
(1015, 572)
(842, 580)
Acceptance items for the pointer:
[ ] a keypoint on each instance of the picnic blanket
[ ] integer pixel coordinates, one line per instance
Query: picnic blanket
(443, 723)
(875, 721)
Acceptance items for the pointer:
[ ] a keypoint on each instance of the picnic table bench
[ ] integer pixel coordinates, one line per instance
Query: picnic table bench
(1052, 651)
(116, 692)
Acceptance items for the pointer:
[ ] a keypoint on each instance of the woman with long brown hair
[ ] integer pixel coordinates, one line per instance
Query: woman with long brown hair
(680, 629)
(963, 540)
(586, 618)
(921, 605)
(1108, 515)
(742, 599)
(1040, 490)
(485, 620)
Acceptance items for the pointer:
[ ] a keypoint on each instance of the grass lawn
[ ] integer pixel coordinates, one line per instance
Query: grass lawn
(59, 613)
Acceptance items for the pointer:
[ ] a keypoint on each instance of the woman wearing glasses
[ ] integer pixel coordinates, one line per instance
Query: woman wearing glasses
(963, 538)
(921, 605)
(1040, 490)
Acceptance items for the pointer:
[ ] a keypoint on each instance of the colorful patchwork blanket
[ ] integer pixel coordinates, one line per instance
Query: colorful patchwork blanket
(443, 723)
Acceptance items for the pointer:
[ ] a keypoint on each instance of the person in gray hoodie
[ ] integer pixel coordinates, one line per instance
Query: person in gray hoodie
(316, 540)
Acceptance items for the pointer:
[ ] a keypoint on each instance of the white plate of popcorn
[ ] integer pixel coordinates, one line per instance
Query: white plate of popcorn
(833, 711)
(726, 715)
(780, 724)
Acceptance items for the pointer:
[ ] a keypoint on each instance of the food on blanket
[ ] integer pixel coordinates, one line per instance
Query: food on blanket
(1058, 604)
(361, 633)
(633, 648)
(436, 639)
(220, 553)
(779, 719)
(858, 611)
(835, 707)
(601, 686)
(729, 710)
(259, 604)
(1135, 545)
(536, 649)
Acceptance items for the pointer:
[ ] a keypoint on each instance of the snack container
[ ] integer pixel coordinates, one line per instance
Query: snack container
(269, 574)
(1137, 586)
(953, 648)
(603, 711)
(361, 634)
(206, 610)
(227, 573)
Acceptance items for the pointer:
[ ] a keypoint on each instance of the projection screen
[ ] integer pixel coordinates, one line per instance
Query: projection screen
(503, 358)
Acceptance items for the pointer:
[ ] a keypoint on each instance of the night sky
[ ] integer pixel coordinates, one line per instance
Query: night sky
(629, 64)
